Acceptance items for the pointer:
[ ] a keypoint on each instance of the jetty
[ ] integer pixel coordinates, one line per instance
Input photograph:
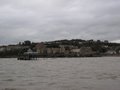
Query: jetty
(29, 55)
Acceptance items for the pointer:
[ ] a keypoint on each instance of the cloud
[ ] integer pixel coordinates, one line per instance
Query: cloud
(44, 20)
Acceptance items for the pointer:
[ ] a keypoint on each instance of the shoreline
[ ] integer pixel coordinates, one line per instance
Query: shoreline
(67, 56)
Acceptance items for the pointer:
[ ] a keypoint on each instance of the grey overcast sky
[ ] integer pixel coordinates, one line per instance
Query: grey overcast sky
(46, 20)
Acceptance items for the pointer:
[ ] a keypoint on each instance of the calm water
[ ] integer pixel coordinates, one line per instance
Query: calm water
(61, 74)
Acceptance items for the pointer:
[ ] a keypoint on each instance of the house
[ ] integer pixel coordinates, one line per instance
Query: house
(53, 50)
(12, 47)
(86, 51)
(49, 51)
(62, 49)
(56, 50)
(15, 47)
(110, 52)
(40, 48)
(75, 52)
(2, 48)
(117, 50)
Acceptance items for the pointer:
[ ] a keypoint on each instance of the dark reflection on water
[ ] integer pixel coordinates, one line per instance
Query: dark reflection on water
(61, 74)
